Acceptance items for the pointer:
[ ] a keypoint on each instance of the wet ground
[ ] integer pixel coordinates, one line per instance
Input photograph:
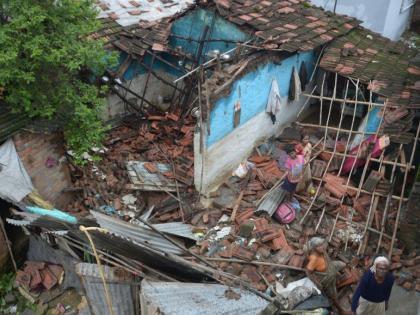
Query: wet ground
(404, 302)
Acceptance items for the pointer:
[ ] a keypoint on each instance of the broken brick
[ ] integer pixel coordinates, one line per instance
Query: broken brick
(243, 253)
(251, 273)
(244, 215)
(297, 261)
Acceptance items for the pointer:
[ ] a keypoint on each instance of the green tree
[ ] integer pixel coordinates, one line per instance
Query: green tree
(46, 59)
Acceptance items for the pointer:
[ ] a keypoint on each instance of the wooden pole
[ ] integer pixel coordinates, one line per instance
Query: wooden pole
(335, 144)
(345, 155)
(6, 239)
(236, 206)
(147, 81)
(367, 192)
(329, 111)
(366, 164)
(326, 98)
(388, 199)
(397, 220)
(352, 167)
(322, 99)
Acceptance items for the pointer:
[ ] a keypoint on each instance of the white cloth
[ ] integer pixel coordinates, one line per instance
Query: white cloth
(305, 282)
(298, 86)
(15, 182)
(379, 259)
(274, 99)
(370, 308)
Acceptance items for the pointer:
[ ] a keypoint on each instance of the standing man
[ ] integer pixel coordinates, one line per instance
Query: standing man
(372, 294)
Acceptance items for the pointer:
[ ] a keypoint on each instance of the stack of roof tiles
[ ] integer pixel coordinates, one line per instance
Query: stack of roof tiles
(292, 25)
(388, 67)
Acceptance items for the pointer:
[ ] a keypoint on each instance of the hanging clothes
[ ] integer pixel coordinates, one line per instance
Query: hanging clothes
(303, 75)
(274, 101)
(295, 86)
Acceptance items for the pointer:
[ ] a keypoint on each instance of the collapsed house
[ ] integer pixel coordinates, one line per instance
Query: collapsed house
(207, 87)
(221, 61)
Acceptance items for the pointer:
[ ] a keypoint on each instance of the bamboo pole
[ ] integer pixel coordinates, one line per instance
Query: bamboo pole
(259, 263)
(372, 209)
(352, 167)
(322, 99)
(394, 234)
(345, 155)
(367, 192)
(341, 100)
(366, 164)
(329, 111)
(388, 199)
(86, 230)
(335, 144)
(328, 164)
(210, 61)
(6, 239)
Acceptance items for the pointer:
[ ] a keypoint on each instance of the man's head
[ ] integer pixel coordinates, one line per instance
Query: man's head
(381, 269)
(380, 266)
(317, 244)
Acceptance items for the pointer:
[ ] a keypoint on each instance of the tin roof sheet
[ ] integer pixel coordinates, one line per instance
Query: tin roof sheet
(178, 298)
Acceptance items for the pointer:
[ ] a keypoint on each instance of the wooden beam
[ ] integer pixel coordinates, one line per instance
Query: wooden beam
(333, 99)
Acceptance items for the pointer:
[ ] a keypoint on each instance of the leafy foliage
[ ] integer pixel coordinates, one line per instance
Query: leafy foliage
(6, 287)
(46, 56)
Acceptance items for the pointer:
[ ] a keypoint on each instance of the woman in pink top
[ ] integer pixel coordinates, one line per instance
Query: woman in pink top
(294, 169)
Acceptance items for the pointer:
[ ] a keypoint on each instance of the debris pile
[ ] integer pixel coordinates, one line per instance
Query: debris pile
(161, 147)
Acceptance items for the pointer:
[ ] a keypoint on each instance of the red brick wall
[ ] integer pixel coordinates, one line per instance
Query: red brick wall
(34, 150)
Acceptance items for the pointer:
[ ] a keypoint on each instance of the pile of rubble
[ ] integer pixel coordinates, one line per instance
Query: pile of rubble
(141, 193)
(161, 142)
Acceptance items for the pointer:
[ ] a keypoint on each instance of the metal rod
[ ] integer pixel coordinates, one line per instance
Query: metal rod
(207, 63)
(147, 81)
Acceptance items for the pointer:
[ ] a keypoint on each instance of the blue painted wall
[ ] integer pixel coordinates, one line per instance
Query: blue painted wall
(136, 68)
(190, 26)
(252, 91)
(193, 24)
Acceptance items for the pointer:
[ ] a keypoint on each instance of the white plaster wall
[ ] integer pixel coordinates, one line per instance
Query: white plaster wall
(381, 16)
(398, 18)
(223, 157)
(115, 106)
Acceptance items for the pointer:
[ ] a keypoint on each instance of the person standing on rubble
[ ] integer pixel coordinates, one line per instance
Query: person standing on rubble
(372, 294)
(306, 152)
(323, 271)
(294, 170)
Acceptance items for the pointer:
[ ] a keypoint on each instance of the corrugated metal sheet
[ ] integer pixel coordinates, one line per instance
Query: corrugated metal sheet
(176, 298)
(142, 179)
(136, 233)
(121, 289)
(272, 201)
(177, 229)
(10, 123)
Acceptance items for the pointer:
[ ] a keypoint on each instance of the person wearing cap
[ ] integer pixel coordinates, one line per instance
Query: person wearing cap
(294, 169)
(372, 294)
